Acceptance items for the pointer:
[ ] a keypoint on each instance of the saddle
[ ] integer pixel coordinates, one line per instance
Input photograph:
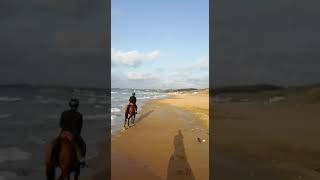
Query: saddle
(67, 135)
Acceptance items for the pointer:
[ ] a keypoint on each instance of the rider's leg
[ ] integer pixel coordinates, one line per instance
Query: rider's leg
(82, 146)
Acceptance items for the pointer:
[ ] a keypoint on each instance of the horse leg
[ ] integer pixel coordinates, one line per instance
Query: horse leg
(134, 118)
(61, 177)
(77, 174)
(50, 172)
(129, 121)
(65, 172)
(64, 175)
(125, 121)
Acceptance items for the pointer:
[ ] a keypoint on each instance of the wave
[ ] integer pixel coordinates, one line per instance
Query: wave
(4, 116)
(13, 154)
(115, 110)
(4, 175)
(49, 100)
(10, 99)
(94, 117)
(35, 140)
(145, 97)
(112, 117)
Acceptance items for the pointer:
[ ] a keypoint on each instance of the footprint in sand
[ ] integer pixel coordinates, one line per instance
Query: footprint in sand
(185, 171)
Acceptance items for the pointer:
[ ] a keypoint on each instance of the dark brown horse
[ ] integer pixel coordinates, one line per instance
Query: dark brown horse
(62, 153)
(130, 114)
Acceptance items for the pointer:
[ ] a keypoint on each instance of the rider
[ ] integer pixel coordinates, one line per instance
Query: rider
(133, 100)
(71, 121)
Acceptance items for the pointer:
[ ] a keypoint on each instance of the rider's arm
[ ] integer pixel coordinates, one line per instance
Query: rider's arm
(61, 120)
(81, 123)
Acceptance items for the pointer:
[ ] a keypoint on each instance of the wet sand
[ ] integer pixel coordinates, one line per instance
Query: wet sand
(164, 142)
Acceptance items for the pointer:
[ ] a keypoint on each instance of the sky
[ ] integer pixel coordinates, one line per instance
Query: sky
(160, 44)
(271, 42)
(53, 42)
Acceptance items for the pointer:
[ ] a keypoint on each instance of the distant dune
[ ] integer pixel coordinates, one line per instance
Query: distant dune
(247, 89)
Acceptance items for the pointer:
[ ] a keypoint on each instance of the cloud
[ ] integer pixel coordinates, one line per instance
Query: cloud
(194, 75)
(270, 42)
(53, 42)
(200, 64)
(140, 76)
(134, 79)
(132, 58)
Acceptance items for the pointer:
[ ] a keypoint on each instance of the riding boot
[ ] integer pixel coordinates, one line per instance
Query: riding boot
(82, 147)
(136, 110)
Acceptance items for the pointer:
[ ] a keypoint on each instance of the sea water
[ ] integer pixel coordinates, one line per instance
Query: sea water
(30, 118)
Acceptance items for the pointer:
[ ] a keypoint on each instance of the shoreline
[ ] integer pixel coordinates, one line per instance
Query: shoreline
(163, 133)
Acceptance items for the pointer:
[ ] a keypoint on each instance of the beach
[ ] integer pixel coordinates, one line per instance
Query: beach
(164, 142)
(268, 135)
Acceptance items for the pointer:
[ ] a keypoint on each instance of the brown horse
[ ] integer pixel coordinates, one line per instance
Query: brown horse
(62, 153)
(130, 114)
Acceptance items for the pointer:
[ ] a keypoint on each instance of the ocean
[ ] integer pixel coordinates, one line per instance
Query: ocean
(29, 118)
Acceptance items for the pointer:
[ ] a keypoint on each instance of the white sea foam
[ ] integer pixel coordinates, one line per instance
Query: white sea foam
(92, 100)
(42, 101)
(145, 97)
(112, 117)
(4, 116)
(276, 99)
(97, 106)
(16, 123)
(53, 116)
(115, 110)
(6, 175)
(96, 116)
(10, 99)
(35, 140)
(13, 154)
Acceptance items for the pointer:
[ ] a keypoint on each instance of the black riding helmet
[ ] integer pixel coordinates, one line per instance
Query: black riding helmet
(74, 103)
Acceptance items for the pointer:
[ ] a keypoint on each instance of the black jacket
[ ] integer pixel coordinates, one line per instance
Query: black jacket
(71, 120)
(133, 99)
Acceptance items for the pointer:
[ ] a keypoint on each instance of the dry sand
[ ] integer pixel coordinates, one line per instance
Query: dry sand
(163, 144)
(266, 141)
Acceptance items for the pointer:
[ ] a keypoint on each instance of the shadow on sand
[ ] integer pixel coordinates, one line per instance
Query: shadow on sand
(144, 115)
(178, 167)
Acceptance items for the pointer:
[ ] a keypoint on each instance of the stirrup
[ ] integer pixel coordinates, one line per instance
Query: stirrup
(83, 164)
